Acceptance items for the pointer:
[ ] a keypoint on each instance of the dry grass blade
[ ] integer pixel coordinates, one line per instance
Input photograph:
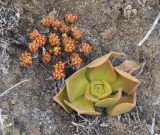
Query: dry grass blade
(80, 126)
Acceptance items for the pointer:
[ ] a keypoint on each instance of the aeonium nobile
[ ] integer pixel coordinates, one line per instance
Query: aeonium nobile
(102, 85)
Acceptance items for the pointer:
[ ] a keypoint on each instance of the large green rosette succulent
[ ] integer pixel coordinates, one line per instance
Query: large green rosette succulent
(99, 84)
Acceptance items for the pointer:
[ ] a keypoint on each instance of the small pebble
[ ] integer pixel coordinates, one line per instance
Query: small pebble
(13, 102)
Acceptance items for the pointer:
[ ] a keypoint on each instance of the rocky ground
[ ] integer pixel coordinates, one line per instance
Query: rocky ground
(108, 25)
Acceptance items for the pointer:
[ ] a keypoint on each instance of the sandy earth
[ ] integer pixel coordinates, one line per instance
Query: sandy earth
(29, 107)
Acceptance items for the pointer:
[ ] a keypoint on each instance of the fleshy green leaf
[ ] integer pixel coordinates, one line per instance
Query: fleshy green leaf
(88, 95)
(92, 90)
(125, 104)
(103, 72)
(82, 106)
(108, 90)
(76, 84)
(99, 61)
(110, 100)
(60, 97)
(125, 81)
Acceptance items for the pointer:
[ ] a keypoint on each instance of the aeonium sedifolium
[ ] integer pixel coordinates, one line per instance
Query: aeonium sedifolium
(64, 42)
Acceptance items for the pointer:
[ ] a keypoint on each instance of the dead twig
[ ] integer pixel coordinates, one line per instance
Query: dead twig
(150, 30)
(151, 127)
(12, 87)
(142, 67)
(78, 126)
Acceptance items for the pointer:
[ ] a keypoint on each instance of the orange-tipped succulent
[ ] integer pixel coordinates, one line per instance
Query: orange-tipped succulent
(56, 24)
(76, 34)
(57, 50)
(50, 49)
(69, 18)
(58, 70)
(53, 39)
(68, 43)
(26, 59)
(58, 74)
(40, 40)
(59, 66)
(46, 57)
(47, 22)
(99, 84)
(67, 40)
(69, 47)
(75, 60)
(63, 28)
(33, 47)
(34, 34)
(86, 49)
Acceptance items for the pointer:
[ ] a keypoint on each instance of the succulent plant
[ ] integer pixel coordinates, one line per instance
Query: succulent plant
(46, 57)
(69, 47)
(58, 44)
(40, 40)
(56, 24)
(58, 74)
(34, 34)
(33, 47)
(75, 60)
(59, 66)
(69, 18)
(76, 34)
(99, 84)
(26, 59)
(63, 28)
(47, 22)
(58, 70)
(53, 39)
(57, 50)
(86, 49)
(66, 40)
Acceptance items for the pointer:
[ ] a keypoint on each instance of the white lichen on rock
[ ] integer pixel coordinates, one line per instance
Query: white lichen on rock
(9, 17)
(4, 57)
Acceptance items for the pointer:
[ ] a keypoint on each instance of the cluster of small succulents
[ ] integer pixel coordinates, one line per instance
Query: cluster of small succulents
(59, 70)
(26, 59)
(75, 60)
(46, 57)
(64, 42)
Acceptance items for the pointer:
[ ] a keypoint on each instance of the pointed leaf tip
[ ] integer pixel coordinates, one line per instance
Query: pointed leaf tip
(99, 61)
(60, 97)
